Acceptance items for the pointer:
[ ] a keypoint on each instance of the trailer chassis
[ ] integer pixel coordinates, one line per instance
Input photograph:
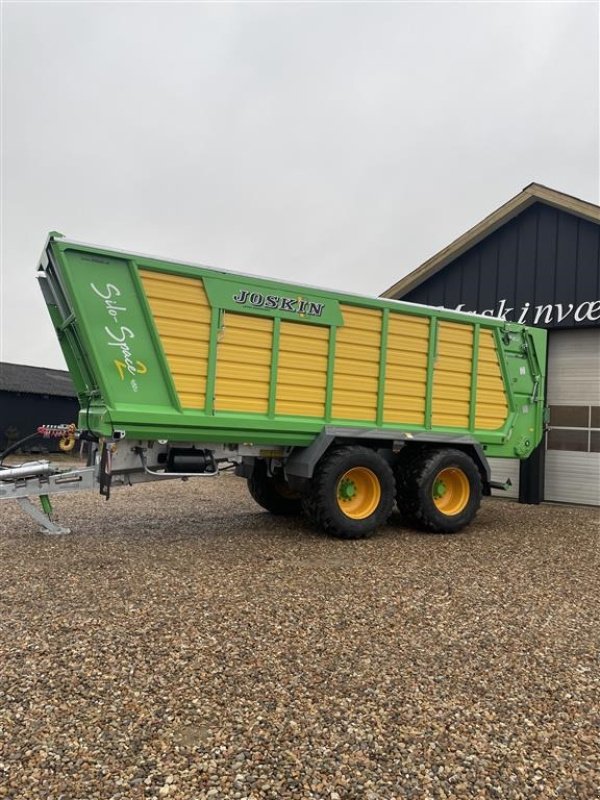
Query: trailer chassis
(112, 466)
(122, 462)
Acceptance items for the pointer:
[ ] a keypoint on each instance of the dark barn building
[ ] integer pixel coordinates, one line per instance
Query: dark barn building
(536, 260)
(33, 396)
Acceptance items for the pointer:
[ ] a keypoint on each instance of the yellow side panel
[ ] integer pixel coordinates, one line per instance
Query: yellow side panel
(451, 398)
(492, 407)
(356, 368)
(406, 369)
(244, 356)
(182, 317)
(302, 369)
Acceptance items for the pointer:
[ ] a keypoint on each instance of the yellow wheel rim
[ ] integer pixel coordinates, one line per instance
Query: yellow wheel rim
(358, 493)
(451, 491)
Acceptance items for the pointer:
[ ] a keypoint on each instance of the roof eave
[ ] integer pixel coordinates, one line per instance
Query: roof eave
(533, 193)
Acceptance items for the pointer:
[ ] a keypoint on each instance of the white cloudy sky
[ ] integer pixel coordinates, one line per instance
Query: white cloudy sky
(339, 144)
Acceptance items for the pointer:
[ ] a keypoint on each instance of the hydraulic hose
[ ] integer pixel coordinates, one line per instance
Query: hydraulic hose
(15, 446)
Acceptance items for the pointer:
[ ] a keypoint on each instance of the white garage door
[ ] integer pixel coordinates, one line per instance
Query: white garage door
(573, 440)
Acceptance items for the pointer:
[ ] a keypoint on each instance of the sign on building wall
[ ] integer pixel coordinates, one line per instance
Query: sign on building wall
(551, 314)
(540, 268)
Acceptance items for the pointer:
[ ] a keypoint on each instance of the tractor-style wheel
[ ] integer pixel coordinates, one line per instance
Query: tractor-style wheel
(438, 490)
(272, 492)
(351, 493)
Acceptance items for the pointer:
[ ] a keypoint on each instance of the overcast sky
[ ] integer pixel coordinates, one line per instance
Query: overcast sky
(329, 143)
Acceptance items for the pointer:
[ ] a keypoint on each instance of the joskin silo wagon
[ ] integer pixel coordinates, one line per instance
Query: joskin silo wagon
(326, 402)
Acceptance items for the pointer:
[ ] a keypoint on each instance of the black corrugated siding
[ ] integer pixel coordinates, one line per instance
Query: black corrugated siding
(543, 256)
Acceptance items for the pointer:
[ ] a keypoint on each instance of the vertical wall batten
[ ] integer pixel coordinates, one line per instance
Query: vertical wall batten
(274, 365)
(330, 373)
(382, 365)
(474, 367)
(431, 357)
(215, 321)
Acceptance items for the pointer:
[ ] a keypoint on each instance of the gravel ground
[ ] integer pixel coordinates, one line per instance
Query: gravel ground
(184, 644)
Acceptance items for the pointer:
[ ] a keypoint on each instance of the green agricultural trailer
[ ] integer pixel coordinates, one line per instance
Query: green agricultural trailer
(329, 403)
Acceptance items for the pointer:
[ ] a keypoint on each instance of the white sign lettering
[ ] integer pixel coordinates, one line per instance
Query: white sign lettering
(544, 314)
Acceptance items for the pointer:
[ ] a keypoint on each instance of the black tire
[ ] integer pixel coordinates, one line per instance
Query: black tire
(273, 493)
(419, 479)
(323, 503)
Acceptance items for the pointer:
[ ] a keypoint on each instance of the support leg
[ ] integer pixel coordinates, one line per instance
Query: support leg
(43, 517)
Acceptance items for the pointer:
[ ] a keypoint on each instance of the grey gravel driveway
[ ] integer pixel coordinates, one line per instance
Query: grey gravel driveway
(182, 643)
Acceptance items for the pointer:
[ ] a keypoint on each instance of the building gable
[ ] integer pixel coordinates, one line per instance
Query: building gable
(540, 267)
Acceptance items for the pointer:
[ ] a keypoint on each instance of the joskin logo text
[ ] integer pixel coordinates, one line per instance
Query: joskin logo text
(295, 305)
(120, 336)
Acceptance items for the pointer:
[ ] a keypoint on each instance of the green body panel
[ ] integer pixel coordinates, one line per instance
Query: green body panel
(114, 354)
